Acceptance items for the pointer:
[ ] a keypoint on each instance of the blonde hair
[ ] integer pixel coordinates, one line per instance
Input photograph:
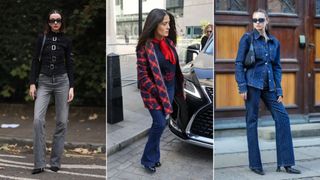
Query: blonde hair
(206, 28)
(265, 14)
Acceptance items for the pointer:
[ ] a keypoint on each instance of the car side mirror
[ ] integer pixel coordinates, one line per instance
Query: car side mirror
(192, 52)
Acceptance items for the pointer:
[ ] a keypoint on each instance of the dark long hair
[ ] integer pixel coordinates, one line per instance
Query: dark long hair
(154, 18)
(47, 28)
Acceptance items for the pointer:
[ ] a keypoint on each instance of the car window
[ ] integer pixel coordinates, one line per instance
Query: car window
(209, 49)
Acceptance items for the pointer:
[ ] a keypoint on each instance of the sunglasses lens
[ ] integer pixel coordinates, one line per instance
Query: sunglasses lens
(52, 21)
(260, 20)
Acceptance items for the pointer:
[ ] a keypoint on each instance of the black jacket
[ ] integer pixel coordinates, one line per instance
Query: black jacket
(56, 57)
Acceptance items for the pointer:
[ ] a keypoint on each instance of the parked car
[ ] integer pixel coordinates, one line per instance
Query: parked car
(192, 120)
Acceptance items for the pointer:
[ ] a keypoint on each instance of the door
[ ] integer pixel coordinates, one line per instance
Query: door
(313, 68)
(232, 20)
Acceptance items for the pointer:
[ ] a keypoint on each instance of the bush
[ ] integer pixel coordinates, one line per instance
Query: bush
(23, 20)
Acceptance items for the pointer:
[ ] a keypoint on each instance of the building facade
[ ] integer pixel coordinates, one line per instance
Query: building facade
(296, 24)
(190, 15)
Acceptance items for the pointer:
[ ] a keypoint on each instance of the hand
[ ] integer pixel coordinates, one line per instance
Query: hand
(280, 99)
(71, 95)
(32, 91)
(244, 95)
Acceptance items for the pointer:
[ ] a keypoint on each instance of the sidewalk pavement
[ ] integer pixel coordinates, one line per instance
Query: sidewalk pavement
(231, 159)
(86, 127)
(135, 125)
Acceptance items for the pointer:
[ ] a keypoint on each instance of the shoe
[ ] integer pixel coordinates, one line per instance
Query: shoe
(55, 169)
(37, 171)
(150, 169)
(258, 171)
(291, 170)
(158, 164)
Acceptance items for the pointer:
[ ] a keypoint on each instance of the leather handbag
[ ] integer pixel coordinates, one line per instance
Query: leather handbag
(250, 57)
(39, 58)
(43, 41)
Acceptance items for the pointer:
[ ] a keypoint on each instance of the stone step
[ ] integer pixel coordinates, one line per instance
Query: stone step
(297, 130)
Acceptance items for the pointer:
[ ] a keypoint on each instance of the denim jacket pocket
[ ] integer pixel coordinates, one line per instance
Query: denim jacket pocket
(259, 52)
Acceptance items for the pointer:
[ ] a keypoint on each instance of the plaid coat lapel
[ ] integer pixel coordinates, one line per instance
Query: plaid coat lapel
(158, 80)
(152, 87)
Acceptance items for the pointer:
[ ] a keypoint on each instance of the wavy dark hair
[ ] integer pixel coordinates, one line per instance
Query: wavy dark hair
(47, 28)
(154, 18)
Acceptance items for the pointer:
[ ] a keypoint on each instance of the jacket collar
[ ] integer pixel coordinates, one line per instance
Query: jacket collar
(257, 35)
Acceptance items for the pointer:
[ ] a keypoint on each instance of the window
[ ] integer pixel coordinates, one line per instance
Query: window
(231, 5)
(209, 49)
(318, 7)
(282, 6)
(194, 31)
(175, 7)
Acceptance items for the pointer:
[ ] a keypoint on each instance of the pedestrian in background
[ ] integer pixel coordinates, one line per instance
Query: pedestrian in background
(262, 79)
(52, 71)
(159, 77)
(206, 34)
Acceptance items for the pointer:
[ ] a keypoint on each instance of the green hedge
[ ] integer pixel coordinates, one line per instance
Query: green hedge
(22, 21)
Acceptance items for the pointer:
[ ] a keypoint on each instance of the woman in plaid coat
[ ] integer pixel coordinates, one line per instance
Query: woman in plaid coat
(159, 77)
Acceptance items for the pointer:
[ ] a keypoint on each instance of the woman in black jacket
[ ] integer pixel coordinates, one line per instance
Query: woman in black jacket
(52, 68)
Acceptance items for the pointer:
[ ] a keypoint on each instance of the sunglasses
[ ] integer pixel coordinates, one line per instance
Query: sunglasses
(209, 31)
(52, 21)
(260, 20)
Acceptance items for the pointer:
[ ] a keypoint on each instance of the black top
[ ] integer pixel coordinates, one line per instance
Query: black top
(168, 70)
(56, 57)
(204, 40)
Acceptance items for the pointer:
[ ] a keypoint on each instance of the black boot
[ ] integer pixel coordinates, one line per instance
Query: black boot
(150, 169)
(54, 169)
(258, 171)
(37, 171)
(158, 164)
(291, 170)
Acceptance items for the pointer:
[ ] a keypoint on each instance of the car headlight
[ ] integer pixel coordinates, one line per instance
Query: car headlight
(191, 89)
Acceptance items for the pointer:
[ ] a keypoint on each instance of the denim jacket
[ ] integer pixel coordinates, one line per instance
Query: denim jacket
(267, 61)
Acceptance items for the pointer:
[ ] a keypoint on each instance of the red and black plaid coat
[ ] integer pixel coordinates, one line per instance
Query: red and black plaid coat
(152, 87)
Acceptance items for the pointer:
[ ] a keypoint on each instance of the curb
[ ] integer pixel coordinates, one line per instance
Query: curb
(67, 145)
(121, 145)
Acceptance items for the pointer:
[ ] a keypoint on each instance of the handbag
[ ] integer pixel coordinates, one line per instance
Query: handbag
(250, 58)
(43, 41)
(39, 58)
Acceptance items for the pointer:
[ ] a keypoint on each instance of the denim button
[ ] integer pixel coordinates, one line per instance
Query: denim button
(266, 63)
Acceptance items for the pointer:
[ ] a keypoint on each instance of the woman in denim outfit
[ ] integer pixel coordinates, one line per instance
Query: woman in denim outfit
(263, 80)
(52, 65)
(159, 78)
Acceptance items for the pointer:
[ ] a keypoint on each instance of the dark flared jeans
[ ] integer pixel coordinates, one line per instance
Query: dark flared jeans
(285, 154)
(151, 153)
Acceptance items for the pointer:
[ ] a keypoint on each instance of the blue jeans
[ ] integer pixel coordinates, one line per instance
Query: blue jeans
(285, 154)
(151, 153)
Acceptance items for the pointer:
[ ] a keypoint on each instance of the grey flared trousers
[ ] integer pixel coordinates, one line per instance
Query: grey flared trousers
(58, 86)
